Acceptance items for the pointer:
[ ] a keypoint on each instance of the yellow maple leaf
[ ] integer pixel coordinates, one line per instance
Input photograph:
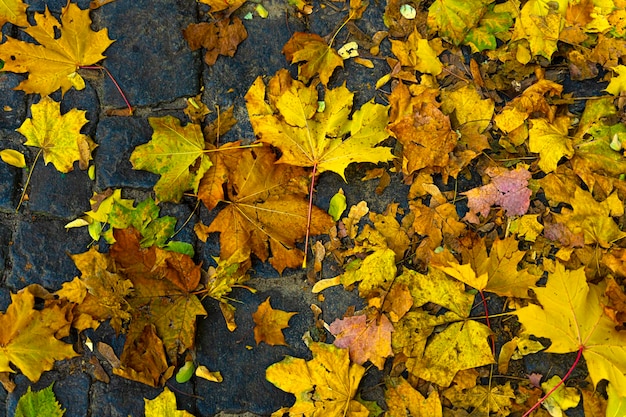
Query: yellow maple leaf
(28, 337)
(540, 22)
(418, 54)
(311, 138)
(483, 399)
(405, 401)
(58, 135)
(52, 63)
(13, 11)
(572, 317)
(175, 152)
(164, 405)
(454, 18)
(618, 82)
(269, 324)
(319, 57)
(592, 218)
(550, 141)
(324, 386)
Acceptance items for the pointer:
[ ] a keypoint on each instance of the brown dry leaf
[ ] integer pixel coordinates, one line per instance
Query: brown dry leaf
(267, 209)
(218, 38)
(221, 5)
(95, 4)
(423, 130)
(367, 338)
(143, 359)
(318, 56)
(163, 282)
(269, 324)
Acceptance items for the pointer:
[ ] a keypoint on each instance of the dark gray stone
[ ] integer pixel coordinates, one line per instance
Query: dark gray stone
(12, 103)
(117, 138)
(151, 62)
(3, 401)
(85, 99)
(39, 253)
(244, 387)
(8, 186)
(120, 398)
(5, 299)
(54, 5)
(5, 241)
(62, 195)
(71, 389)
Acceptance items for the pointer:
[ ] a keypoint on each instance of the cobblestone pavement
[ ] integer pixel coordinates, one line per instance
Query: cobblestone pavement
(157, 71)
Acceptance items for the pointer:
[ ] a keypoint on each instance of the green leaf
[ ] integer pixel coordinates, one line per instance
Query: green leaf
(454, 18)
(38, 404)
(185, 373)
(337, 205)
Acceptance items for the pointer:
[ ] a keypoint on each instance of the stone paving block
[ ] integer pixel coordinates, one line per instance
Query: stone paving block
(12, 102)
(70, 388)
(252, 59)
(39, 253)
(85, 99)
(11, 176)
(5, 241)
(239, 359)
(3, 402)
(151, 62)
(58, 194)
(117, 137)
(120, 398)
(54, 5)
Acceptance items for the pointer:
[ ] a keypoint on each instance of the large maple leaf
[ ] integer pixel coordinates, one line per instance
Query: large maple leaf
(175, 152)
(58, 135)
(52, 63)
(267, 209)
(308, 137)
(571, 315)
(324, 386)
(29, 337)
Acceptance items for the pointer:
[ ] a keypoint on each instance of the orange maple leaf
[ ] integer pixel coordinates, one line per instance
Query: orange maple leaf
(52, 64)
(267, 209)
(269, 324)
(218, 38)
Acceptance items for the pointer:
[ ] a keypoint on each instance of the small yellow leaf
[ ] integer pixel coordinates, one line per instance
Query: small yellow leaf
(13, 157)
(213, 376)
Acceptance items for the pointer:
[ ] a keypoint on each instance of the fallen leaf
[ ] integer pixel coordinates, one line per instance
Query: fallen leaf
(484, 400)
(325, 385)
(221, 5)
(418, 54)
(58, 135)
(540, 22)
(13, 11)
(551, 141)
(39, 403)
(175, 152)
(317, 55)
(405, 401)
(204, 373)
(13, 158)
(454, 18)
(572, 317)
(28, 337)
(53, 62)
(269, 324)
(365, 338)
(308, 138)
(218, 38)
(266, 209)
(164, 405)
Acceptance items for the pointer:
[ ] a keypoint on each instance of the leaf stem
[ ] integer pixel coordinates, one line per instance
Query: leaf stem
(491, 337)
(119, 89)
(308, 216)
(32, 168)
(571, 369)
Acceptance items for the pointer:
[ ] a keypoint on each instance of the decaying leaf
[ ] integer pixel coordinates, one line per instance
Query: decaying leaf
(218, 38)
(317, 55)
(58, 135)
(53, 62)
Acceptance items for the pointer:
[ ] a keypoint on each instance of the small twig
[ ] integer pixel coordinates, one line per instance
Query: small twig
(119, 89)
